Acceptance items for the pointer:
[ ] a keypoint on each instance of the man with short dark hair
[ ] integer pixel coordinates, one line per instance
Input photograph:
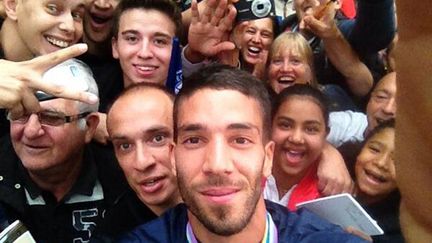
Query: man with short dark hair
(223, 154)
(143, 34)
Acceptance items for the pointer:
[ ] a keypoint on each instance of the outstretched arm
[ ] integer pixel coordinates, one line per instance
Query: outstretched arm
(340, 53)
(19, 81)
(413, 120)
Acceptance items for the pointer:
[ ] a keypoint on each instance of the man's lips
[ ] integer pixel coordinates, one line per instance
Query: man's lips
(35, 148)
(144, 70)
(153, 184)
(220, 195)
(100, 20)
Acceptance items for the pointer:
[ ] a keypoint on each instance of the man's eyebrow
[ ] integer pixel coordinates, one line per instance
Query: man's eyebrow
(191, 127)
(125, 32)
(243, 126)
(162, 34)
(152, 130)
(159, 129)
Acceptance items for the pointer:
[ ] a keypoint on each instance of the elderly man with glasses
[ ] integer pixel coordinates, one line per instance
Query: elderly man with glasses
(51, 178)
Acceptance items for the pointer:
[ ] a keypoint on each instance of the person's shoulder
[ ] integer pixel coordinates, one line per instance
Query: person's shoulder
(288, 23)
(170, 227)
(306, 227)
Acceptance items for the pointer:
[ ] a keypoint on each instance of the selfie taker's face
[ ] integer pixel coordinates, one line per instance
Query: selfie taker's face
(143, 46)
(46, 26)
(221, 159)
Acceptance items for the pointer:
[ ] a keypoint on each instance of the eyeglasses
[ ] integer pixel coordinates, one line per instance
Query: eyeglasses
(49, 118)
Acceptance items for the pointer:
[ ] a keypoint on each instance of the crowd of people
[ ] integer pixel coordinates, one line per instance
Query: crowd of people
(177, 122)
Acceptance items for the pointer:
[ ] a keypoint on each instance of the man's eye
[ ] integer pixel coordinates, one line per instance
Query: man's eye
(48, 118)
(77, 16)
(161, 41)
(241, 140)
(52, 8)
(131, 39)
(159, 139)
(124, 146)
(192, 140)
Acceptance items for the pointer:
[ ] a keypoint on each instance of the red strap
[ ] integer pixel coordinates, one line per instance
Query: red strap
(306, 189)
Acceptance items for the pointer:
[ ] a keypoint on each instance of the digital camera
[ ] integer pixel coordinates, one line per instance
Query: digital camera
(254, 9)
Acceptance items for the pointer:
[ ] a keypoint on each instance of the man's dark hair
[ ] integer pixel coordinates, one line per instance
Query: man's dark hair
(167, 7)
(307, 91)
(223, 77)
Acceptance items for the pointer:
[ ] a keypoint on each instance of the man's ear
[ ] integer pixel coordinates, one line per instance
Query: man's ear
(114, 48)
(172, 157)
(11, 8)
(92, 122)
(268, 159)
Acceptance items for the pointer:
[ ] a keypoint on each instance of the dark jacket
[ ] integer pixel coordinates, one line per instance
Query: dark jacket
(99, 201)
(300, 227)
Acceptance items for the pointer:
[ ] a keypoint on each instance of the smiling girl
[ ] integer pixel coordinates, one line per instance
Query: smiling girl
(376, 181)
(299, 129)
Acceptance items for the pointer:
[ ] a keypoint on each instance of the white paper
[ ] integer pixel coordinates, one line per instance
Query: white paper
(343, 210)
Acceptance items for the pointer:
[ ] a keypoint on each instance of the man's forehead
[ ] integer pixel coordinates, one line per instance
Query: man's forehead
(137, 16)
(60, 105)
(149, 102)
(211, 106)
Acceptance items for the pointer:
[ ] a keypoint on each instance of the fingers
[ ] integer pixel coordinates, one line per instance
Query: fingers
(331, 187)
(358, 233)
(224, 46)
(229, 19)
(67, 93)
(207, 12)
(194, 12)
(29, 102)
(43, 63)
(219, 12)
(16, 111)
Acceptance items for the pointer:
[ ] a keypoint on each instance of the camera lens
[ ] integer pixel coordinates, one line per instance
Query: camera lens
(261, 8)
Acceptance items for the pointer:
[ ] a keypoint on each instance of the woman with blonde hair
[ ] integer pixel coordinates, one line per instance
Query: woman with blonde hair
(291, 61)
